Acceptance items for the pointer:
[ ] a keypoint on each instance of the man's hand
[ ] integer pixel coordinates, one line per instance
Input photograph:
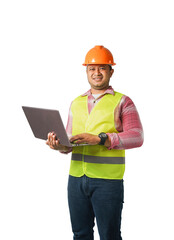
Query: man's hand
(85, 138)
(89, 138)
(54, 143)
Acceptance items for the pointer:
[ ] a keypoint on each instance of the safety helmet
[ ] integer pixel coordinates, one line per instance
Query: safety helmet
(99, 55)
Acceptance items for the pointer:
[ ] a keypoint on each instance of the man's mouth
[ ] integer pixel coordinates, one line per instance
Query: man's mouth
(97, 79)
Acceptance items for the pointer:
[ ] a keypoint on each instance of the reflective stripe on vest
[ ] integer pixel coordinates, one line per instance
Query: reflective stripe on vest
(96, 161)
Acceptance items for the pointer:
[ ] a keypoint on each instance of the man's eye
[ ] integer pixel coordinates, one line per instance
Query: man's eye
(91, 69)
(102, 68)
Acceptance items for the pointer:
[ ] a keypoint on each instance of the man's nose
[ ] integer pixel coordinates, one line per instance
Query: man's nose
(97, 71)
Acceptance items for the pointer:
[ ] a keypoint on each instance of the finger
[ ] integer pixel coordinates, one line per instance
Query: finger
(75, 138)
(54, 137)
(72, 139)
(51, 140)
(52, 134)
(54, 144)
(80, 141)
(48, 136)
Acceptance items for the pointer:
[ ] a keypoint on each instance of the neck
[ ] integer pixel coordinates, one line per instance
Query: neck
(98, 91)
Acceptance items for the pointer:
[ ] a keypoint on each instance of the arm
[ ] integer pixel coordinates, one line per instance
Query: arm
(129, 126)
(127, 122)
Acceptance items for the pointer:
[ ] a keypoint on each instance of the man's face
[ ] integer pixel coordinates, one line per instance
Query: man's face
(99, 76)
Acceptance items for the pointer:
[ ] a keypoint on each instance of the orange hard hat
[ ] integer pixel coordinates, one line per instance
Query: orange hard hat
(99, 55)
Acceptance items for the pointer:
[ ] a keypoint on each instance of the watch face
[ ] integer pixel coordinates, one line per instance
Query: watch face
(103, 137)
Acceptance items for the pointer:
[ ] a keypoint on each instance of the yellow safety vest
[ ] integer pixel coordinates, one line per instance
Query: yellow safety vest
(96, 161)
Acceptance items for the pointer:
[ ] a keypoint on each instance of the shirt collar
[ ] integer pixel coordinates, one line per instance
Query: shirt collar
(110, 90)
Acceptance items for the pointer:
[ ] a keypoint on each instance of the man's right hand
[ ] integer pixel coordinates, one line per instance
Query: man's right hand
(54, 143)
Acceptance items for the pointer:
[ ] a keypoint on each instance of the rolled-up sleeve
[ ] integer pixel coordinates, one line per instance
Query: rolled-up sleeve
(129, 127)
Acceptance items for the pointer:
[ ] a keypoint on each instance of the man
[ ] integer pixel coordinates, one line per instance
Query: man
(109, 122)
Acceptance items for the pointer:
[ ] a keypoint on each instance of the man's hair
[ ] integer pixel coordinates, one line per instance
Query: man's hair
(110, 66)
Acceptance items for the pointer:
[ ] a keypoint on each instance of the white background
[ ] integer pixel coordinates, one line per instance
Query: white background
(42, 47)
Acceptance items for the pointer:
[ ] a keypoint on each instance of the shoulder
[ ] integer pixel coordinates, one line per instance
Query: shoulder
(78, 101)
(118, 94)
(125, 100)
(79, 98)
(127, 104)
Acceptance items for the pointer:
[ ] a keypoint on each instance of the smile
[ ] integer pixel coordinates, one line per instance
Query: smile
(97, 79)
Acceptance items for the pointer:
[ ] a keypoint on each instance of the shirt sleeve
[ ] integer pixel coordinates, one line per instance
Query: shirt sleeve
(128, 125)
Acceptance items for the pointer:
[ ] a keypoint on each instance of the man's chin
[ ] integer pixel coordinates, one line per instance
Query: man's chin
(100, 87)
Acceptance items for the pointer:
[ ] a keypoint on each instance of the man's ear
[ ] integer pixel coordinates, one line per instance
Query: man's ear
(112, 71)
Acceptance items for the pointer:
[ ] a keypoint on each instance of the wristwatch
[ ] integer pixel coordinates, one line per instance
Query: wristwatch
(103, 136)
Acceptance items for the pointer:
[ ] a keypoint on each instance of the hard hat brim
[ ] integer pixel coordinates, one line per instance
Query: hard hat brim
(85, 64)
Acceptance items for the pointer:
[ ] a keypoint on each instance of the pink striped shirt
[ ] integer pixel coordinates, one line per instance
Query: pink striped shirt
(127, 122)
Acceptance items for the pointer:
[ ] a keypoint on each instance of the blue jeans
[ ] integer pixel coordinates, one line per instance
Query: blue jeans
(91, 198)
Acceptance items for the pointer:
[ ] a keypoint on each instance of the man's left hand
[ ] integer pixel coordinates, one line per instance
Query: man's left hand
(86, 138)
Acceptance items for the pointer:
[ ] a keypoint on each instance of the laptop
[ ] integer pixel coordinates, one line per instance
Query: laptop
(42, 121)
